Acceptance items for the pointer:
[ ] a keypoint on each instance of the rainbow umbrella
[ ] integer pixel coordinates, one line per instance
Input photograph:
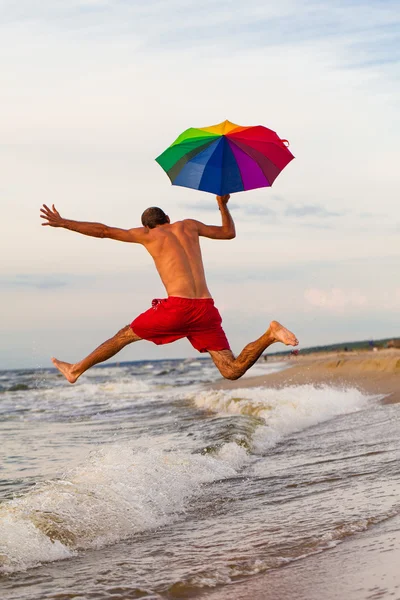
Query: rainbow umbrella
(225, 158)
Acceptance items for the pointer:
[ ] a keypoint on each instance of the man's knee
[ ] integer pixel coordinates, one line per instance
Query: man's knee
(231, 376)
(225, 361)
(125, 331)
(231, 372)
(127, 334)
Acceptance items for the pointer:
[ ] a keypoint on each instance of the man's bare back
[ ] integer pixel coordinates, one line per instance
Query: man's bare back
(175, 249)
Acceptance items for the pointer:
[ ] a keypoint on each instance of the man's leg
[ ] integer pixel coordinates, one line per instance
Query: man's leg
(72, 371)
(233, 368)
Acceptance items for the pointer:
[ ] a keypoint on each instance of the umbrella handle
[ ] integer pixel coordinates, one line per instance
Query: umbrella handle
(286, 143)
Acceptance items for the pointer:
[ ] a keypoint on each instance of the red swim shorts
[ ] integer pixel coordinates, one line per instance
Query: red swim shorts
(174, 318)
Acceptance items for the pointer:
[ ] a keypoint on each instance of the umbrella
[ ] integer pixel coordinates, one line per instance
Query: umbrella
(225, 158)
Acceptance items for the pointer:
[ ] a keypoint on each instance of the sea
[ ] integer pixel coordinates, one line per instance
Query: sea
(144, 480)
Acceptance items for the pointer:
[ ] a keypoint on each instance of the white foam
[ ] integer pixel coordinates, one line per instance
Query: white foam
(264, 368)
(87, 390)
(283, 411)
(117, 492)
(23, 545)
(83, 399)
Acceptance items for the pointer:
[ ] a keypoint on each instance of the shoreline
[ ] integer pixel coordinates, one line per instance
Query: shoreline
(361, 567)
(364, 565)
(376, 373)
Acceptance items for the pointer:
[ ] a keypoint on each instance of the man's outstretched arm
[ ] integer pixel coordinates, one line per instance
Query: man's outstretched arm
(53, 218)
(226, 231)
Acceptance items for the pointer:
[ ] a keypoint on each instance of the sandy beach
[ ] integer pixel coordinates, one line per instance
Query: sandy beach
(371, 372)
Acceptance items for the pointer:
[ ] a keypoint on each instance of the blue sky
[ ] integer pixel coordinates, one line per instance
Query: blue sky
(93, 91)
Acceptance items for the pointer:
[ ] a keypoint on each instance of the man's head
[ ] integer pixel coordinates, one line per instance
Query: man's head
(154, 216)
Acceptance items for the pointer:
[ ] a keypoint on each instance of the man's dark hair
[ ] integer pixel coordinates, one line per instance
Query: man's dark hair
(154, 216)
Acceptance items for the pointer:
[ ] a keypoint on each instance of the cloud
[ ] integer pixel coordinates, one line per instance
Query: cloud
(205, 206)
(317, 225)
(369, 215)
(352, 300)
(282, 208)
(262, 273)
(335, 299)
(40, 282)
(391, 300)
(311, 210)
(359, 33)
(252, 210)
(258, 210)
(264, 210)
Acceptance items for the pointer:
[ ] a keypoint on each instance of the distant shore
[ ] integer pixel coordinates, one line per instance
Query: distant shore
(372, 372)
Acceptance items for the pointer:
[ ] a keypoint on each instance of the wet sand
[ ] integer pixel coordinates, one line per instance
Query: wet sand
(365, 566)
(371, 372)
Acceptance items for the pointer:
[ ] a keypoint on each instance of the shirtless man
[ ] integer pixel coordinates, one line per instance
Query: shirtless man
(189, 309)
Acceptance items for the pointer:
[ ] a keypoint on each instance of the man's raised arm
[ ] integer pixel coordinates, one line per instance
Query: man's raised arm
(54, 219)
(224, 232)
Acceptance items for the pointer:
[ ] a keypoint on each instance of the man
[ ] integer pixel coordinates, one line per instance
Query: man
(189, 310)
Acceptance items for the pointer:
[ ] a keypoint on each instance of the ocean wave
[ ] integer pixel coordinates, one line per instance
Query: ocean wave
(282, 411)
(116, 493)
(84, 399)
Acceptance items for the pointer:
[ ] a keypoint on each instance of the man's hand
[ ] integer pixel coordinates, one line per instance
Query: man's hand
(215, 232)
(52, 216)
(223, 199)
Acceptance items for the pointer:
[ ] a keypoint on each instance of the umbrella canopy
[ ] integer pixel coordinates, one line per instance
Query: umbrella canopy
(225, 158)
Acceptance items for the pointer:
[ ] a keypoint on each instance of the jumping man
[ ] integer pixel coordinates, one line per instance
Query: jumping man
(189, 309)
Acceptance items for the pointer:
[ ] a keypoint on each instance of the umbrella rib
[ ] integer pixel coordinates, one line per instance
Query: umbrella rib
(209, 158)
(253, 153)
(227, 143)
(244, 149)
(174, 171)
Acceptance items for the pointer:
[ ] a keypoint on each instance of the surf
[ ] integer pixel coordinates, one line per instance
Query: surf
(124, 488)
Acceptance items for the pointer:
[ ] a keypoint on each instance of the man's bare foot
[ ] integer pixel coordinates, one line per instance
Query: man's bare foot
(65, 369)
(281, 334)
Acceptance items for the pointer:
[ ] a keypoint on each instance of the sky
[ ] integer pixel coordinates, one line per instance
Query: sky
(94, 90)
